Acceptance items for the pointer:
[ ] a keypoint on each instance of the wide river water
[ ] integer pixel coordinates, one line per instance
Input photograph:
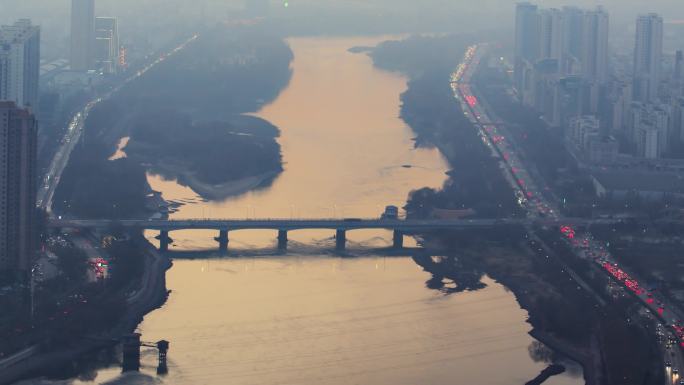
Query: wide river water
(310, 316)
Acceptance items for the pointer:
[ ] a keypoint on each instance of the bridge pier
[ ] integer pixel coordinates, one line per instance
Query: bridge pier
(163, 347)
(131, 352)
(340, 239)
(164, 240)
(223, 240)
(398, 240)
(282, 239)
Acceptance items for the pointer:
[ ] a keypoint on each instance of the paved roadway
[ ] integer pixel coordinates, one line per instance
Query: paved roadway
(542, 204)
(284, 224)
(325, 223)
(73, 134)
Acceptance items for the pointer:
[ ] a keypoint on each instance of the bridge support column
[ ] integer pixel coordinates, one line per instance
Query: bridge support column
(222, 239)
(163, 347)
(131, 352)
(164, 240)
(282, 239)
(341, 239)
(398, 240)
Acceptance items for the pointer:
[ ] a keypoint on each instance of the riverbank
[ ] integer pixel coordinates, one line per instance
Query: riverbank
(151, 295)
(564, 311)
(186, 119)
(229, 189)
(539, 287)
(552, 370)
(216, 160)
(431, 110)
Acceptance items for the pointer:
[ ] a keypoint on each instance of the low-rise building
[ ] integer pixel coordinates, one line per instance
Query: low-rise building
(650, 186)
(603, 150)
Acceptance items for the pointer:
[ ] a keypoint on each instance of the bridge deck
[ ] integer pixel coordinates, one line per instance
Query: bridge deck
(301, 224)
(284, 224)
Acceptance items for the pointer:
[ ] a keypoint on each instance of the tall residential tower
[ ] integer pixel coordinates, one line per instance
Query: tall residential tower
(106, 44)
(82, 35)
(648, 56)
(594, 51)
(18, 136)
(526, 40)
(20, 63)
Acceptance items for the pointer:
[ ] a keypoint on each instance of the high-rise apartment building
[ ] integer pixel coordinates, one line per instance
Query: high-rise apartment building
(679, 66)
(650, 129)
(18, 136)
(648, 53)
(20, 63)
(575, 39)
(648, 140)
(573, 35)
(677, 119)
(107, 44)
(594, 47)
(581, 129)
(551, 34)
(620, 102)
(526, 41)
(572, 30)
(82, 35)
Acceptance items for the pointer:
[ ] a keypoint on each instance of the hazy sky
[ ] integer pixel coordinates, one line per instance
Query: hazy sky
(485, 12)
(153, 19)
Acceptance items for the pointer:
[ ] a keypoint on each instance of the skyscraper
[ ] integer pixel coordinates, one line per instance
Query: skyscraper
(648, 53)
(526, 40)
(20, 63)
(679, 65)
(572, 30)
(18, 138)
(82, 34)
(526, 31)
(551, 34)
(107, 44)
(594, 51)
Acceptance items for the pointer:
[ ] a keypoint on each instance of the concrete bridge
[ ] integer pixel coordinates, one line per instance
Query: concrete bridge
(283, 226)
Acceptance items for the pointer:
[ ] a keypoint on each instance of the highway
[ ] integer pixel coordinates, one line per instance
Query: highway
(497, 138)
(541, 204)
(322, 223)
(46, 190)
(283, 224)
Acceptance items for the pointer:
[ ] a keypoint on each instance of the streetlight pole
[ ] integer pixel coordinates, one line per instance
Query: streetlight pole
(32, 294)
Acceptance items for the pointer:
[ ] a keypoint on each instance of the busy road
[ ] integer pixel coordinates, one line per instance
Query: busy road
(541, 204)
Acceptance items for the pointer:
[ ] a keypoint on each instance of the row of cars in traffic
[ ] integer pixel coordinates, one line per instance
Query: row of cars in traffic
(539, 206)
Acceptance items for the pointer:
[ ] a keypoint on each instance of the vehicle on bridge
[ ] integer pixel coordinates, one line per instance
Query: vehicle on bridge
(391, 212)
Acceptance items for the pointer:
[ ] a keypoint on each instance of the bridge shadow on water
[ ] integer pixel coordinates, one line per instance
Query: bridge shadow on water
(299, 251)
(448, 274)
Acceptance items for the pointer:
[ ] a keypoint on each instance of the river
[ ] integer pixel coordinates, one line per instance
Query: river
(310, 316)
